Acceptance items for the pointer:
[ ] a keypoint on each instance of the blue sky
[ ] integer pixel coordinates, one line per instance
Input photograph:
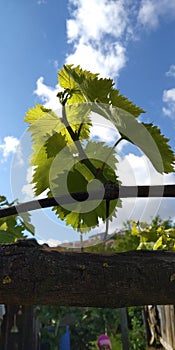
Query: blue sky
(131, 41)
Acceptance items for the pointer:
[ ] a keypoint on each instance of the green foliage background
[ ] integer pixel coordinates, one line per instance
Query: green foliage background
(16, 226)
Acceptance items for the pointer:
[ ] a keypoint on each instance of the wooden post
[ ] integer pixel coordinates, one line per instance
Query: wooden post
(19, 330)
(124, 328)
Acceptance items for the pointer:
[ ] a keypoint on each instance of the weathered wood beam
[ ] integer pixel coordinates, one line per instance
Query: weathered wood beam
(33, 274)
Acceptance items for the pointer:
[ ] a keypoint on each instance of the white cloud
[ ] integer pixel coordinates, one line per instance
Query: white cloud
(103, 134)
(92, 20)
(167, 111)
(169, 99)
(28, 188)
(100, 30)
(141, 172)
(51, 242)
(107, 59)
(97, 32)
(56, 65)
(147, 14)
(136, 171)
(152, 11)
(47, 94)
(169, 95)
(171, 71)
(9, 146)
(41, 2)
(103, 130)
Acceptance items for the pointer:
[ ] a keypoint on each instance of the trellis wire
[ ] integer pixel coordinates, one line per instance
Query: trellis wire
(112, 192)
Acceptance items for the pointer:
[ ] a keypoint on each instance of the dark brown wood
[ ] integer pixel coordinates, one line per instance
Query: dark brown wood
(20, 328)
(32, 274)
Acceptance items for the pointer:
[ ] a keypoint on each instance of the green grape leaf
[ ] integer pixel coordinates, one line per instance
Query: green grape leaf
(63, 159)
(165, 150)
(148, 235)
(14, 227)
(43, 159)
(152, 143)
(50, 136)
(25, 221)
(122, 102)
(48, 122)
(170, 233)
(55, 144)
(84, 86)
(52, 158)
(145, 246)
(76, 181)
(8, 237)
(158, 244)
(79, 120)
(45, 125)
(147, 137)
(80, 215)
(67, 82)
(35, 113)
(3, 201)
(154, 236)
(42, 164)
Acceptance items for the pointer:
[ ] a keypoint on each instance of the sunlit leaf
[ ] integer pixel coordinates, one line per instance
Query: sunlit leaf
(122, 102)
(79, 215)
(166, 153)
(16, 226)
(64, 161)
(146, 137)
(84, 85)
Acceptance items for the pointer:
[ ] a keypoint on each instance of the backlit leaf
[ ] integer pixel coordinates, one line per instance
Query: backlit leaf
(166, 153)
(122, 102)
(145, 136)
(14, 227)
(64, 161)
(79, 214)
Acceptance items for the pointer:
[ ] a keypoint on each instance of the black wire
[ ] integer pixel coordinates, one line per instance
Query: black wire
(115, 192)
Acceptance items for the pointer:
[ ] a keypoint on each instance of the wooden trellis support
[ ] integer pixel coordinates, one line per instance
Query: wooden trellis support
(34, 274)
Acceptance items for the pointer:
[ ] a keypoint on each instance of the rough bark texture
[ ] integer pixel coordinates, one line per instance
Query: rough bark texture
(160, 325)
(32, 274)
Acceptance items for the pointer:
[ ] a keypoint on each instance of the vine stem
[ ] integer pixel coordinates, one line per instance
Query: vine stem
(110, 152)
(75, 137)
(101, 171)
(82, 153)
(87, 162)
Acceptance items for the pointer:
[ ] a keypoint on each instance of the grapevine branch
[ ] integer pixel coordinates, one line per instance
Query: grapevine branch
(85, 159)
(81, 151)
(110, 152)
(113, 191)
